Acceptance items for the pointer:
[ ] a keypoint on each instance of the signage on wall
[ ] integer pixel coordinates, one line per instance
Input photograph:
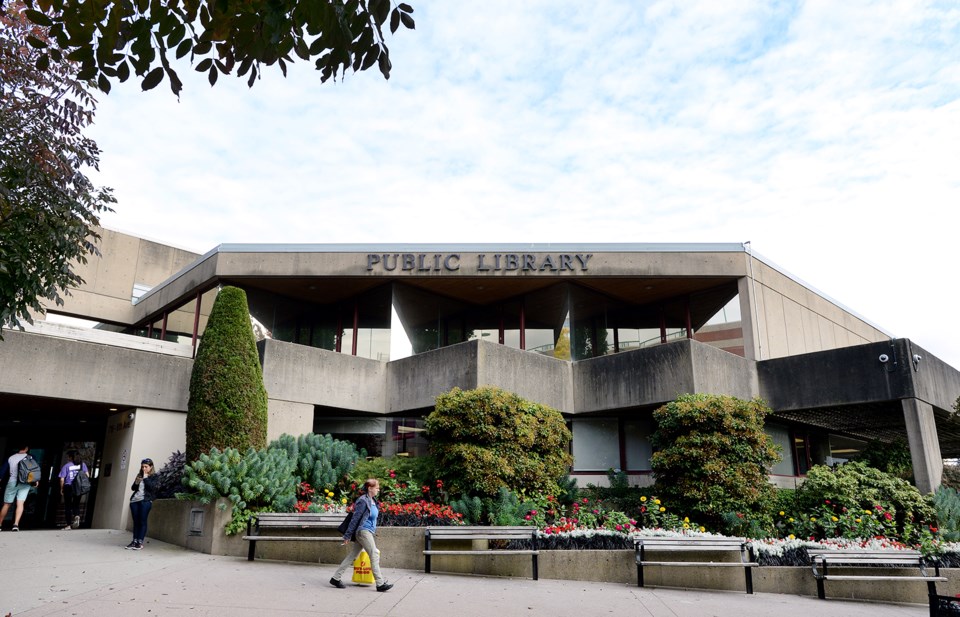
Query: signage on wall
(493, 262)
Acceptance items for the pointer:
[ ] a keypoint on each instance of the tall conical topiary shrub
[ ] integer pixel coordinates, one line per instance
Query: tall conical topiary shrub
(228, 403)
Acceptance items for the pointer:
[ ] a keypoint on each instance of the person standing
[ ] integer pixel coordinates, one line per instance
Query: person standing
(15, 491)
(144, 491)
(71, 501)
(362, 528)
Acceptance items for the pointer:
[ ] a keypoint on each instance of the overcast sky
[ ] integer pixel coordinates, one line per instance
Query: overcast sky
(825, 133)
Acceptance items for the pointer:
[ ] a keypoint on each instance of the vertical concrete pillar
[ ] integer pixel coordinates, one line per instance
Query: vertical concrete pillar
(924, 446)
(748, 319)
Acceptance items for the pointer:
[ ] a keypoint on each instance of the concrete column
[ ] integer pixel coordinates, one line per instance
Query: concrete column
(748, 319)
(288, 417)
(924, 446)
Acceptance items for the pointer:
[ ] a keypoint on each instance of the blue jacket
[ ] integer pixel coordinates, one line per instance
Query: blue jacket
(361, 511)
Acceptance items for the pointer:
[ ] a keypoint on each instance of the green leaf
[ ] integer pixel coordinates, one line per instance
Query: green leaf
(184, 48)
(406, 8)
(38, 18)
(103, 83)
(379, 9)
(179, 31)
(212, 75)
(175, 84)
(123, 72)
(407, 21)
(394, 20)
(203, 48)
(153, 78)
(204, 65)
(35, 42)
(43, 62)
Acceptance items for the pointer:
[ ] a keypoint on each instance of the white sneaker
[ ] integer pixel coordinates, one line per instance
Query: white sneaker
(76, 522)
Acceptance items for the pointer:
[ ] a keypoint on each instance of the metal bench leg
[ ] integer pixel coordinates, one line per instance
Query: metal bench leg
(426, 557)
(639, 575)
(820, 592)
(932, 587)
(251, 550)
(748, 572)
(536, 570)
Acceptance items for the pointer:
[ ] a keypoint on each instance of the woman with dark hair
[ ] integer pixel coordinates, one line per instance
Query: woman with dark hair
(144, 491)
(71, 501)
(362, 528)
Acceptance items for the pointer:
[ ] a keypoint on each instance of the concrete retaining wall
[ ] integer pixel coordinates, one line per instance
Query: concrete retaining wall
(400, 547)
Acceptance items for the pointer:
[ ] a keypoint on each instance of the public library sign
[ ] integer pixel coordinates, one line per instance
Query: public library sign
(493, 262)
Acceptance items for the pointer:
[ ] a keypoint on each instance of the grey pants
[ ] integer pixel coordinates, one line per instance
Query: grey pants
(364, 542)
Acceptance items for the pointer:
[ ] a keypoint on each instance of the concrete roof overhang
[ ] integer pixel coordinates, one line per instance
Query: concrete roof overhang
(637, 274)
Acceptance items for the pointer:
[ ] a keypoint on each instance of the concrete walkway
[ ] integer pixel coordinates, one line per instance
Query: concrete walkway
(87, 572)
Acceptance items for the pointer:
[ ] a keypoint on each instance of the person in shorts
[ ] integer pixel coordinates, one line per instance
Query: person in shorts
(15, 491)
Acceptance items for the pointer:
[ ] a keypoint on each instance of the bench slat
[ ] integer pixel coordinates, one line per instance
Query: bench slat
(845, 577)
(738, 564)
(481, 552)
(293, 538)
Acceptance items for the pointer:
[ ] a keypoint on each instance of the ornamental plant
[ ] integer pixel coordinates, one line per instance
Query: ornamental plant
(260, 480)
(227, 407)
(856, 487)
(712, 457)
(322, 461)
(487, 439)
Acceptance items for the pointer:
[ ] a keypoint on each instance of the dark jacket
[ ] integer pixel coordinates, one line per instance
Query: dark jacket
(361, 511)
(150, 486)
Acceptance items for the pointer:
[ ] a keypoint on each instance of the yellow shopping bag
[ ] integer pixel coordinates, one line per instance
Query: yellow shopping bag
(362, 572)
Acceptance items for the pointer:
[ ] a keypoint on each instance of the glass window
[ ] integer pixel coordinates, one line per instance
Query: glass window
(843, 449)
(723, 329)
(781, 437)
(596, 444)
(637, 444)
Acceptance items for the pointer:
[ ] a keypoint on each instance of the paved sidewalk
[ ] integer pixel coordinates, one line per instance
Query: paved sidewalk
(87, 572)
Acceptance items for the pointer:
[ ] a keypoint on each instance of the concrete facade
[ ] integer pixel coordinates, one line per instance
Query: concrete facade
(817, 364)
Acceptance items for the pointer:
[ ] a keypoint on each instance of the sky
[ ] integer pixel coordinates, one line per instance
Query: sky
(827, 134)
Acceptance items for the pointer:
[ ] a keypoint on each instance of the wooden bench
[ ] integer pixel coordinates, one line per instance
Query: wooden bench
(280, 521)
(480, 533)
(747, 561)
(823, 560)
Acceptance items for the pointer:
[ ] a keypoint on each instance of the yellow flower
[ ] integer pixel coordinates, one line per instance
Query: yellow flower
(858, 520)
(686, 526)
(656, 501)
(790, 520)
(686, 519)
(813, 519)
(344, 500)
(643, 498)
(834, 519)
(662, 509)
(782, 512)
(791, 537)
(868, 512)
(703, 528)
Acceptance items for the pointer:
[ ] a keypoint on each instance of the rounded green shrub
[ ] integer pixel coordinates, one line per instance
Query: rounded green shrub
(487, 439)
(857, 487)
(228, 402)
(321, 460)
(712, 459)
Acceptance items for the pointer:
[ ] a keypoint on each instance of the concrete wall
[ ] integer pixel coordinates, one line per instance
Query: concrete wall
(840, 377)
(791, 318)
(47, 366)
(149, 433)
(415, 382)
(655, 375)
(301, 374)
(109, 279)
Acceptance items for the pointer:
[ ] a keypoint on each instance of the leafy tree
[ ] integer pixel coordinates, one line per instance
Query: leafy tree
(893, 457)
(48, 207)
(114, 39)
(712, 457)
(562, 348)
(228, 402)
(488, 438)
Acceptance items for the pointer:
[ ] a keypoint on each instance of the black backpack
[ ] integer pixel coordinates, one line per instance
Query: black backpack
(28, 470)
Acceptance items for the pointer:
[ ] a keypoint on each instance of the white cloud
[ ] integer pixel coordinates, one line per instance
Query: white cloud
(825, 133)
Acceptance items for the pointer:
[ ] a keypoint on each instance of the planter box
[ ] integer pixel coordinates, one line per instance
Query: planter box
(200, 528)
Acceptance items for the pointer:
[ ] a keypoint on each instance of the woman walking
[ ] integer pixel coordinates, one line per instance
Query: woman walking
(361, 530)
(144, 491)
